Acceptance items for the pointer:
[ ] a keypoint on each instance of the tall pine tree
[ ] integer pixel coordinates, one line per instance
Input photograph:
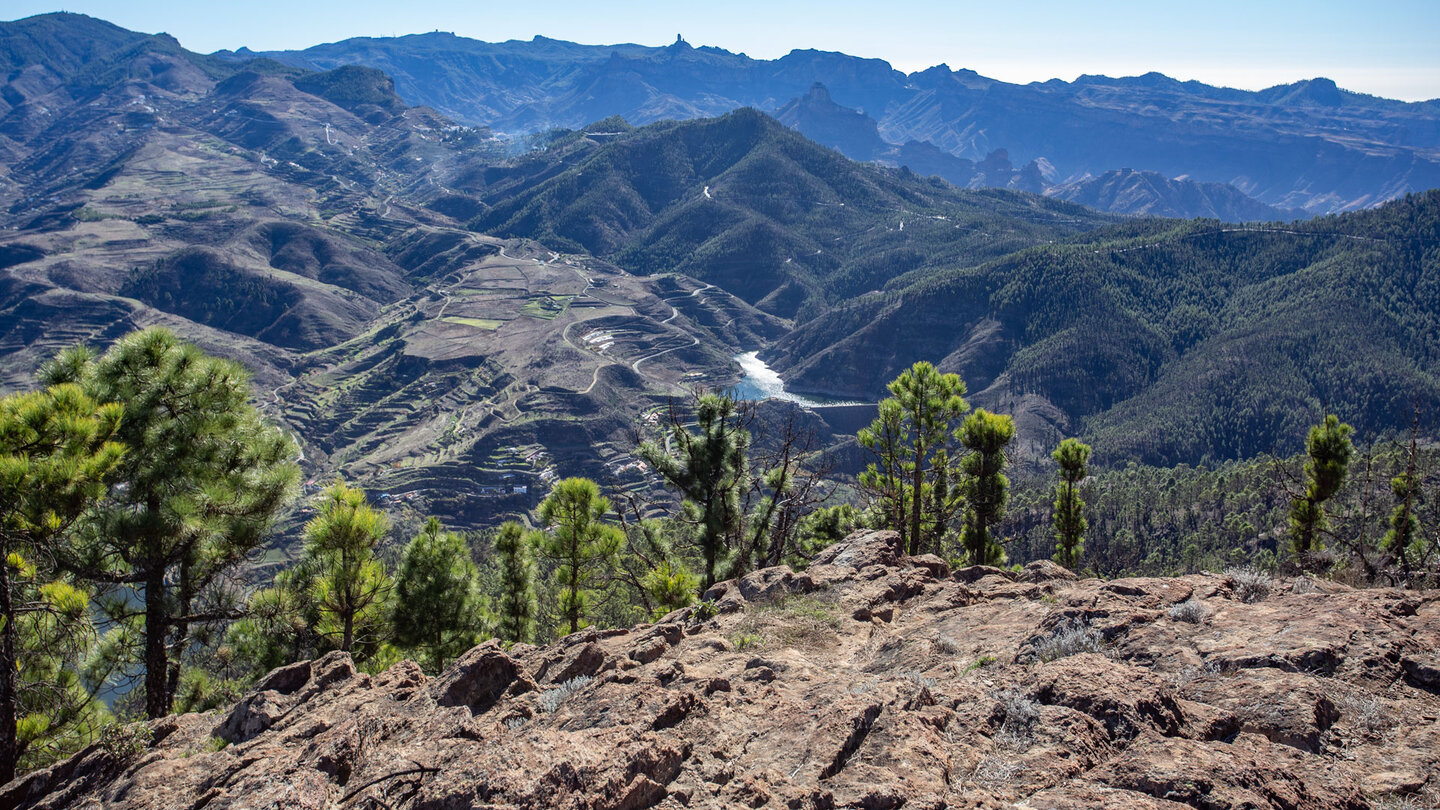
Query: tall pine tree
(1402, 540)
(1329, 450)
(710, 470)
(1072, 456)
(517, 607)
(885, 478)
(350, 587)
(203, 476)
(437, 606)
(986, 435)
(912, 438)
(578, 541)
(55, 457)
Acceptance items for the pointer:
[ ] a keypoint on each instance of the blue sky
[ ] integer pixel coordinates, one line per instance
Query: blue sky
(1386, 47)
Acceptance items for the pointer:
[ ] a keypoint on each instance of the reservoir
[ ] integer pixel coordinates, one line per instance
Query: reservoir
(762, 382)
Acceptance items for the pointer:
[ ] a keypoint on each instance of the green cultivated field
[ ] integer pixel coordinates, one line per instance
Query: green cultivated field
(547, 307)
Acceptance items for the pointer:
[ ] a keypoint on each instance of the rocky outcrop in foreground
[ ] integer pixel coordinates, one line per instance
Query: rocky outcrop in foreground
(870, 680)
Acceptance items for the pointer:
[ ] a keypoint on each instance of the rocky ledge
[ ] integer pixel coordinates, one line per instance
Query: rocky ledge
(870, 680)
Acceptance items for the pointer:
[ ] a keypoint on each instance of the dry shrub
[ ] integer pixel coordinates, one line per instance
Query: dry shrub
(1249, 585)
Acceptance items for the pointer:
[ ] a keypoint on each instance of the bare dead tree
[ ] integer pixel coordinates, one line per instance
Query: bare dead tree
(790, 483)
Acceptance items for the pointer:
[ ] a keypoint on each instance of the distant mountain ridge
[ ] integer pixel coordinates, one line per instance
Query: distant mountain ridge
(1309, 145)
(1126, 191)
(1121, 191)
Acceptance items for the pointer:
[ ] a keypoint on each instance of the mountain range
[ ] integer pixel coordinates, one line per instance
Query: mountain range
(453, 325)
(1136, 335)
(1308, 146)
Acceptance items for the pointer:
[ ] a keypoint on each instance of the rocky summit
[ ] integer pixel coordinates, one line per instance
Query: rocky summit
(871, 679)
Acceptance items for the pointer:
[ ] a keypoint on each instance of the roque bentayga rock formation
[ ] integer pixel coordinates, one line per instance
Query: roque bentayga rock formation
(870, 680)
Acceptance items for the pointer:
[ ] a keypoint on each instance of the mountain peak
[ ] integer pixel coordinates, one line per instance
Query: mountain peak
(1316, 92)
(1322, 91)
(354, 88)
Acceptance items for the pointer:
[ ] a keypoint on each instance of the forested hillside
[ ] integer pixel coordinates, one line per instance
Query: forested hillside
(744, 203)
(1169, 341)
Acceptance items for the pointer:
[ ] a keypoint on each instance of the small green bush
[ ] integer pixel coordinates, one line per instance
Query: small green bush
(126, 742)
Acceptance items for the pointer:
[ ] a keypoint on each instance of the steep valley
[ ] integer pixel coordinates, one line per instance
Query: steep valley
(453, 327)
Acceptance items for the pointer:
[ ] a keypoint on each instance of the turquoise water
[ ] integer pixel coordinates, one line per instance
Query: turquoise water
(761, 382)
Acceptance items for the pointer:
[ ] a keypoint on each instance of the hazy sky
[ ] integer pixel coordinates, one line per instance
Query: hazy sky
(1386, 47)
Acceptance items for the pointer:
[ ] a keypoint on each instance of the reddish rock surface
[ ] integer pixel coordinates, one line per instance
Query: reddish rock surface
(871, 680)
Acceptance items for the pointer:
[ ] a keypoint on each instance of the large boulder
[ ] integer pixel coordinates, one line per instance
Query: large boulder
(480, 678)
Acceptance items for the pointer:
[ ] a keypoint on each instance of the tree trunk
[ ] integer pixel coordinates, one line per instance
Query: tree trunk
(1067, 511)
(915, 498)
(9, 697)
(182, 633)
(157, 703)
(574, 606)
(709, 565)
(348, 639)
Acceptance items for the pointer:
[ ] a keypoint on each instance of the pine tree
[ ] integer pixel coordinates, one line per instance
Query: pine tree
(669, 586)
(648, 566)
(350, 587)
(1404, 532)
(578, 542)
(944, 501)
(1072, 455)
(823, 528)
(911, 436)
(517, 584)
(437, 599)
(710, 470)
(59, 677)
(55, 456)
(885, 478)
(1329, 449)
(279, 625)
(203, 475)
(1404, 525)
(986, 435)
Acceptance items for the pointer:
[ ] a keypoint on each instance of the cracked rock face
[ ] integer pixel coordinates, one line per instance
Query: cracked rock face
(871, 680)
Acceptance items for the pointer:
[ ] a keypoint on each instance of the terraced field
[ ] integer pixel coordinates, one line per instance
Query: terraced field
(457, 397)
(450, 372)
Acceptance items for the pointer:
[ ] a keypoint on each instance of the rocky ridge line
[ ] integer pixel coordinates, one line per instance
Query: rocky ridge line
(870, 680)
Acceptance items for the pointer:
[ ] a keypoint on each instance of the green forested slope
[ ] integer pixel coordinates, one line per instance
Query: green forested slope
(1171, 341)
(745, 203)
